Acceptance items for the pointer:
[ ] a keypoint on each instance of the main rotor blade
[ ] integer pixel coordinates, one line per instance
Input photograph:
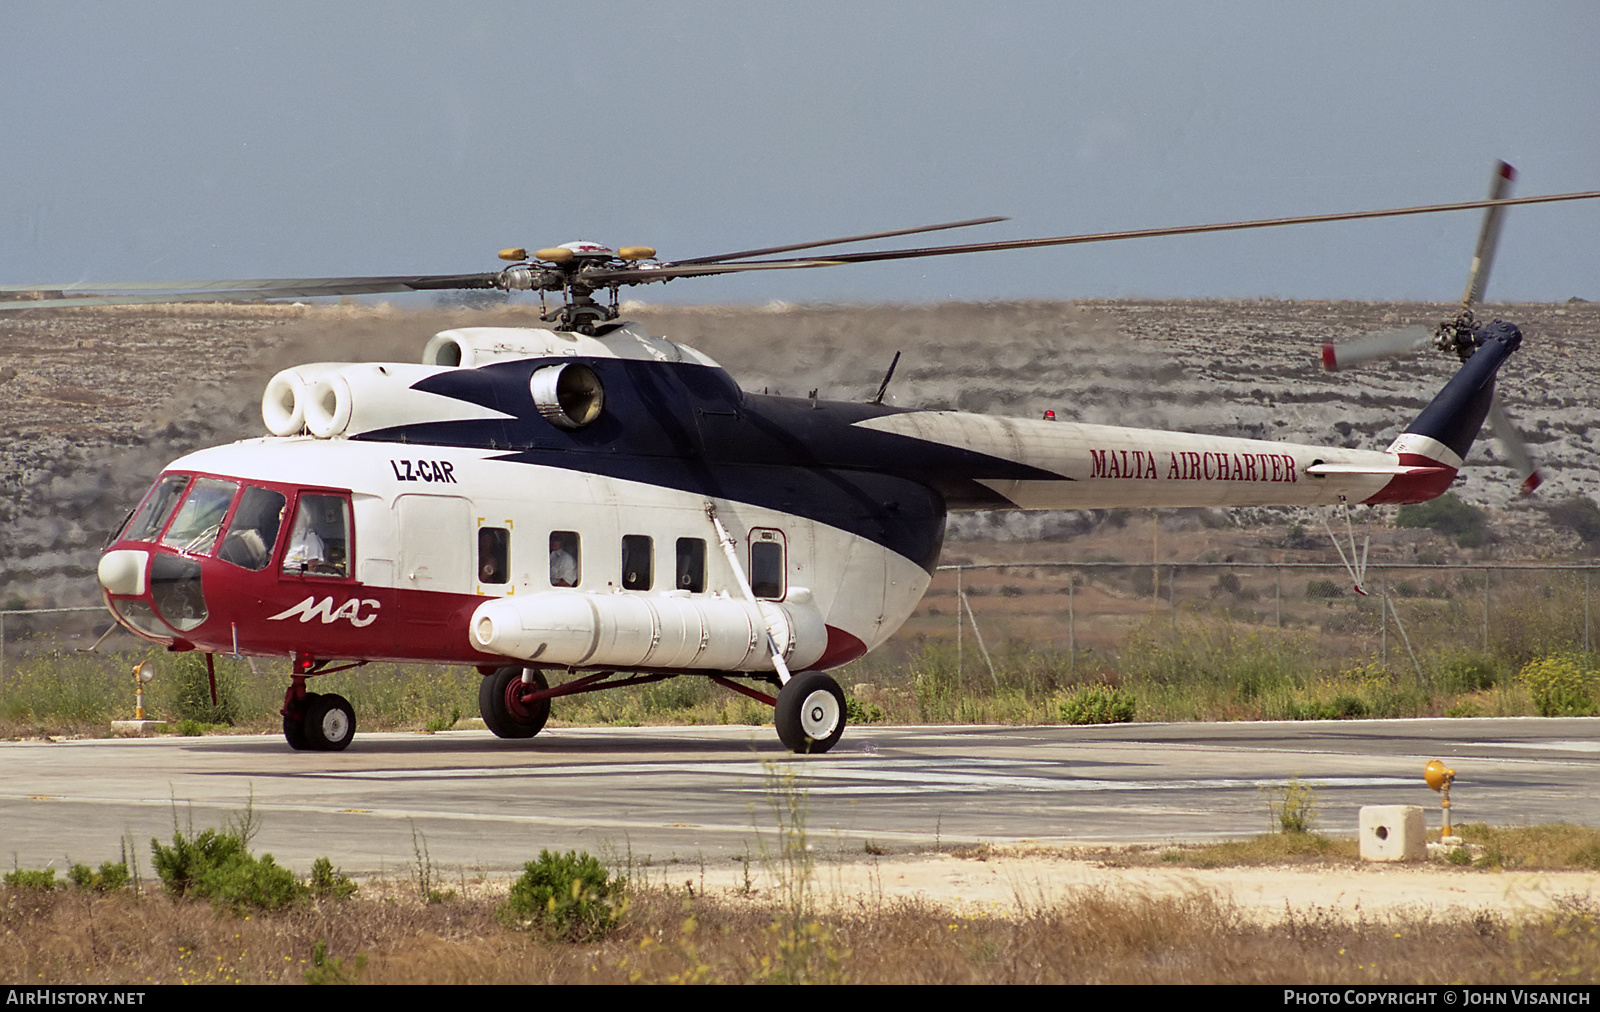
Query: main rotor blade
(1489, 237)
(1147, 233)
(601, 277)
(1513, 446)
(1383, 345)
(768, 251)
(110, 294)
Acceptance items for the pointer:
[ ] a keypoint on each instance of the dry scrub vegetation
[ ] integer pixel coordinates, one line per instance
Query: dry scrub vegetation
(667, 935)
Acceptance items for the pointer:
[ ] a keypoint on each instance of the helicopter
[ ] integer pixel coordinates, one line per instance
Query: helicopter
(593, 501)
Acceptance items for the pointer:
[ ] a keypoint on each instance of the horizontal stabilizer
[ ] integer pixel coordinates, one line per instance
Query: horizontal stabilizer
(1325, 470)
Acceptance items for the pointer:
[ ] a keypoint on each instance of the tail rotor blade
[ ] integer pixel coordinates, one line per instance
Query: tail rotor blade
(1384, 345)
(1513, 446)
(1489, 236)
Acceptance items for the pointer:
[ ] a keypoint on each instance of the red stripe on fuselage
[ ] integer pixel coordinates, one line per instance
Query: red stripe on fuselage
(842, 649)
(1429, 483)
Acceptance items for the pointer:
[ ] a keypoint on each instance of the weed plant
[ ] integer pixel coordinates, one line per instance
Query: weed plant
(36, 879)
(1098, 704)
(567, 896)
(1563, 685)
(216, 864)
(1294, 807)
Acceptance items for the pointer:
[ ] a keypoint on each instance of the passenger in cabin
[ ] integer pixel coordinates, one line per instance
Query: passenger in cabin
(563, 559)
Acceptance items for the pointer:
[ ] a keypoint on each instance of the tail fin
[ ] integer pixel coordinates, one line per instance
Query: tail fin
(1442, 434)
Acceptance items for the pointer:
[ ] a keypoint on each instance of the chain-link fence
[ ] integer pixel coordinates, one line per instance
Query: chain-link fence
(1401, 614)
(28, 631)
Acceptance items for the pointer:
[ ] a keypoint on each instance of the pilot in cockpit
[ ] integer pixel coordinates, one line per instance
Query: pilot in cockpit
(316, 545)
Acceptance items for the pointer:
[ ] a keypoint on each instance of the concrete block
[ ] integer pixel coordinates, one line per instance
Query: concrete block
(1392, 833)
(137, 728)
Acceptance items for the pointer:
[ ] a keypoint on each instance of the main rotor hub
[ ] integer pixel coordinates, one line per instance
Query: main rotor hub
(562, 269)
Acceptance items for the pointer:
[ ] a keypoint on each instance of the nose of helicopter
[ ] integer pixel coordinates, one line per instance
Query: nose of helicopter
(122, 571)
(153, 593)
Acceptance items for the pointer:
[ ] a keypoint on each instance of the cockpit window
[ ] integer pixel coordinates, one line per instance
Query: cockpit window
(254, 529)
(320, 543)
(157, 508)
(198, 523)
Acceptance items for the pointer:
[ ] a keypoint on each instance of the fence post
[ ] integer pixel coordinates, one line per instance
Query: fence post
(1485, 609)
(1072, 624)
(960, 597)
(1172, 606)
(1383, 615)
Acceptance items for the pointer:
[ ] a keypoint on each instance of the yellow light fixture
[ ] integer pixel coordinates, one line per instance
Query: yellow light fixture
(1438, 776)
(142, 673)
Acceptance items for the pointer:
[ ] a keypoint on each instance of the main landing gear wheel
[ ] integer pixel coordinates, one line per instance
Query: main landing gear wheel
(810, 714)
(329, 724)
(294, 724)
(500, 702)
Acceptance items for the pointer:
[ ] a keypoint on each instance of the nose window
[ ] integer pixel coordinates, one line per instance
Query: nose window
(175, 589)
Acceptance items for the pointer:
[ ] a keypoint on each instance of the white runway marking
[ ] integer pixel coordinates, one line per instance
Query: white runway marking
(908, 775)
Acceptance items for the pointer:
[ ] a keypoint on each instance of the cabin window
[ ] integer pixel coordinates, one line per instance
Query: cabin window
(157, 508)
(638, 562)
(194, 531)
(565, 559)
(254, 530)
(691, 565)
(494, 554)
(766, 565)
(320, 543)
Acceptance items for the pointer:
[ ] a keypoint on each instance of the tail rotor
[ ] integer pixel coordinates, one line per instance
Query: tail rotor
(1457, 336)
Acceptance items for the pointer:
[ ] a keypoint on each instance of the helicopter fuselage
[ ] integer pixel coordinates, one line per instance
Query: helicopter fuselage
(617, 503)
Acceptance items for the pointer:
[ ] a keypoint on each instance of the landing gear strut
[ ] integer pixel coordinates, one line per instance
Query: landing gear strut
(810, 714)
(500, 702)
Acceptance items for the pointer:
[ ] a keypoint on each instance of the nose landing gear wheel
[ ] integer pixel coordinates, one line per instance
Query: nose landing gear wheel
(810, 713)
(504, 712)
(330, 723)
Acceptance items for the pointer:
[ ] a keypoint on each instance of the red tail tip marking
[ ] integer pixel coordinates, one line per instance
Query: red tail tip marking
(1329, 361)
(1507, 172)
(1532, 482)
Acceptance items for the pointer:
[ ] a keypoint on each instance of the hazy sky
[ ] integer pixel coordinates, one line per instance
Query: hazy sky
(206, 140)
